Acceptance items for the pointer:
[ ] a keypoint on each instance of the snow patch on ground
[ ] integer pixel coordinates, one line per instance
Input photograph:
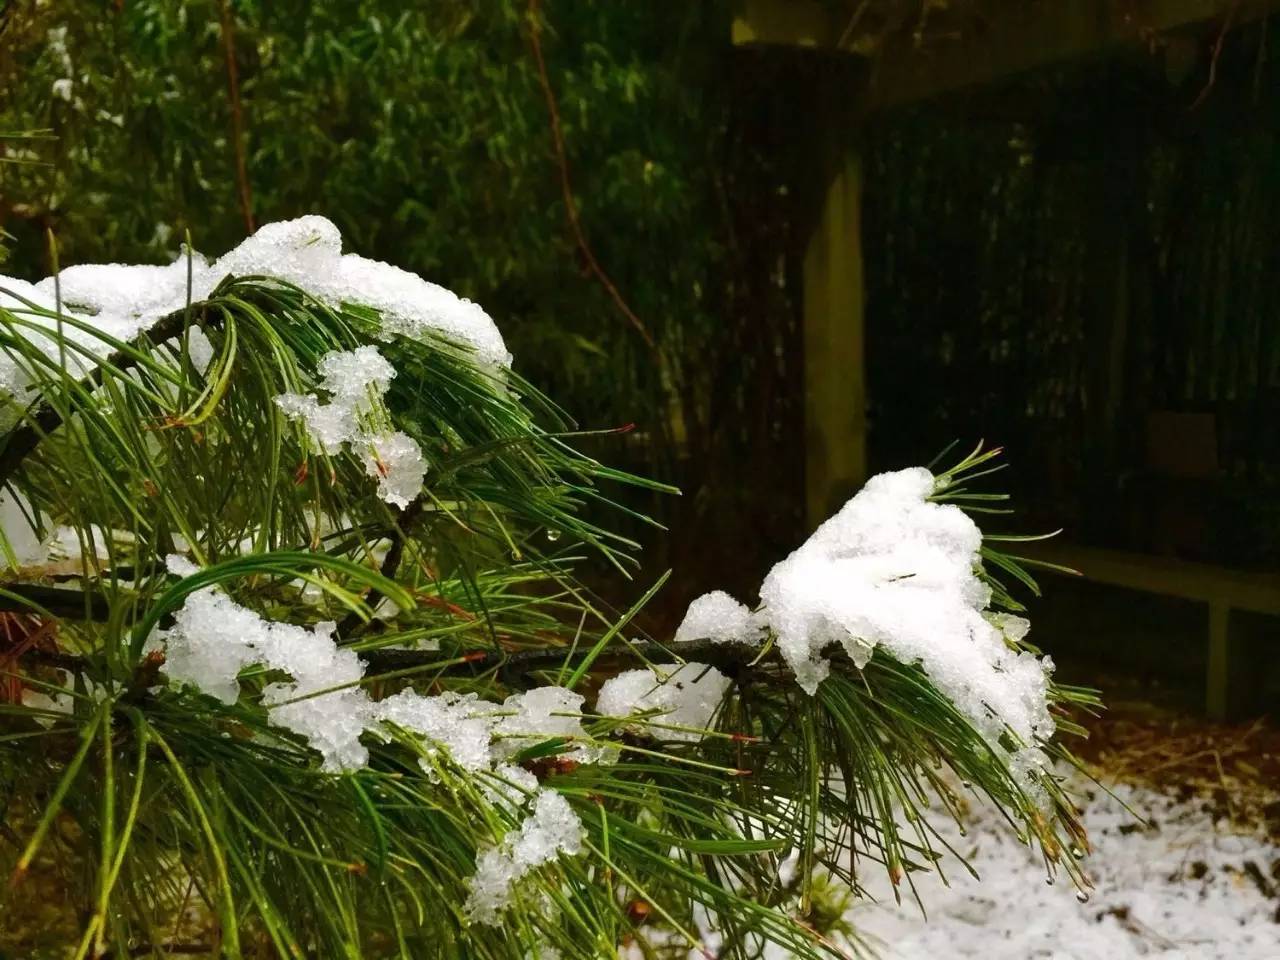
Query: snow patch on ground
(1178, 889)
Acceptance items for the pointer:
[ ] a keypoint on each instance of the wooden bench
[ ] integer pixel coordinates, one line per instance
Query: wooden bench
(1221, 589)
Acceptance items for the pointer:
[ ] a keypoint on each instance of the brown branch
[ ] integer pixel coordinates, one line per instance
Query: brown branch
(729, 658)
(566, 185)
(237, 114)
(390, 563)
(1217, 54)
(67, 604)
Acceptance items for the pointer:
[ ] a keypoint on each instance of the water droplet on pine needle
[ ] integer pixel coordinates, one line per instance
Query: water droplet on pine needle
(1082, 896)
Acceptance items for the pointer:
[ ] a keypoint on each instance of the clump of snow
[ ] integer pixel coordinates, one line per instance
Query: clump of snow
(330, 425)
(122, 300)
(396, 460)
(894, 569)
(1177, 887)
(541, 714)
(356, 381)
(350, 375)
(718, 617)
(551, 830)
(450, 721)
(684, 695)
(180, 566)
(510, 785)
(213, 639)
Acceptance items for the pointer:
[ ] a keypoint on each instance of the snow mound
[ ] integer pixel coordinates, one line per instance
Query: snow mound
(895, 570)
(122, 300)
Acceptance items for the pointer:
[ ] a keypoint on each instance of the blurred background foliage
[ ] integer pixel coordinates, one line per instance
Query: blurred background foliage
(1075, 263)
(424, 132)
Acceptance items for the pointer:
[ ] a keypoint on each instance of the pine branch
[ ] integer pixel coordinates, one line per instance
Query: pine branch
(730, 658)
(67, 604)
(46, 419)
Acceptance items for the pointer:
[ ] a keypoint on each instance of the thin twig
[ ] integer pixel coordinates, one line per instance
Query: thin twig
(566, 185)
(237, 114)
(854, 19)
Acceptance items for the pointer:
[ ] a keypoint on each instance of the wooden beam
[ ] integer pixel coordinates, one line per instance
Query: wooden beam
(1013, 37)
(1218, 672)
(1238, 589)
(834, 368)
(1028, 37)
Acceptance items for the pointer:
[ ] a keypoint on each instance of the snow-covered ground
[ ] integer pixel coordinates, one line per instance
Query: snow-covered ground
(1187, 886)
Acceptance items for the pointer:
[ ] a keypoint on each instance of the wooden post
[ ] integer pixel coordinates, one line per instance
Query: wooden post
(834, 362)
(1217, 676)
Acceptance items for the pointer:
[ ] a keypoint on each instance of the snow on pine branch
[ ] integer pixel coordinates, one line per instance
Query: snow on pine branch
(356, 381)
(214, 639)
(891, 569)
(123, 300)
(895, 570)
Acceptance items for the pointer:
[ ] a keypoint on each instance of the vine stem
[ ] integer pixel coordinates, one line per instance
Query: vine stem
(566, 184)
(243, 192)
